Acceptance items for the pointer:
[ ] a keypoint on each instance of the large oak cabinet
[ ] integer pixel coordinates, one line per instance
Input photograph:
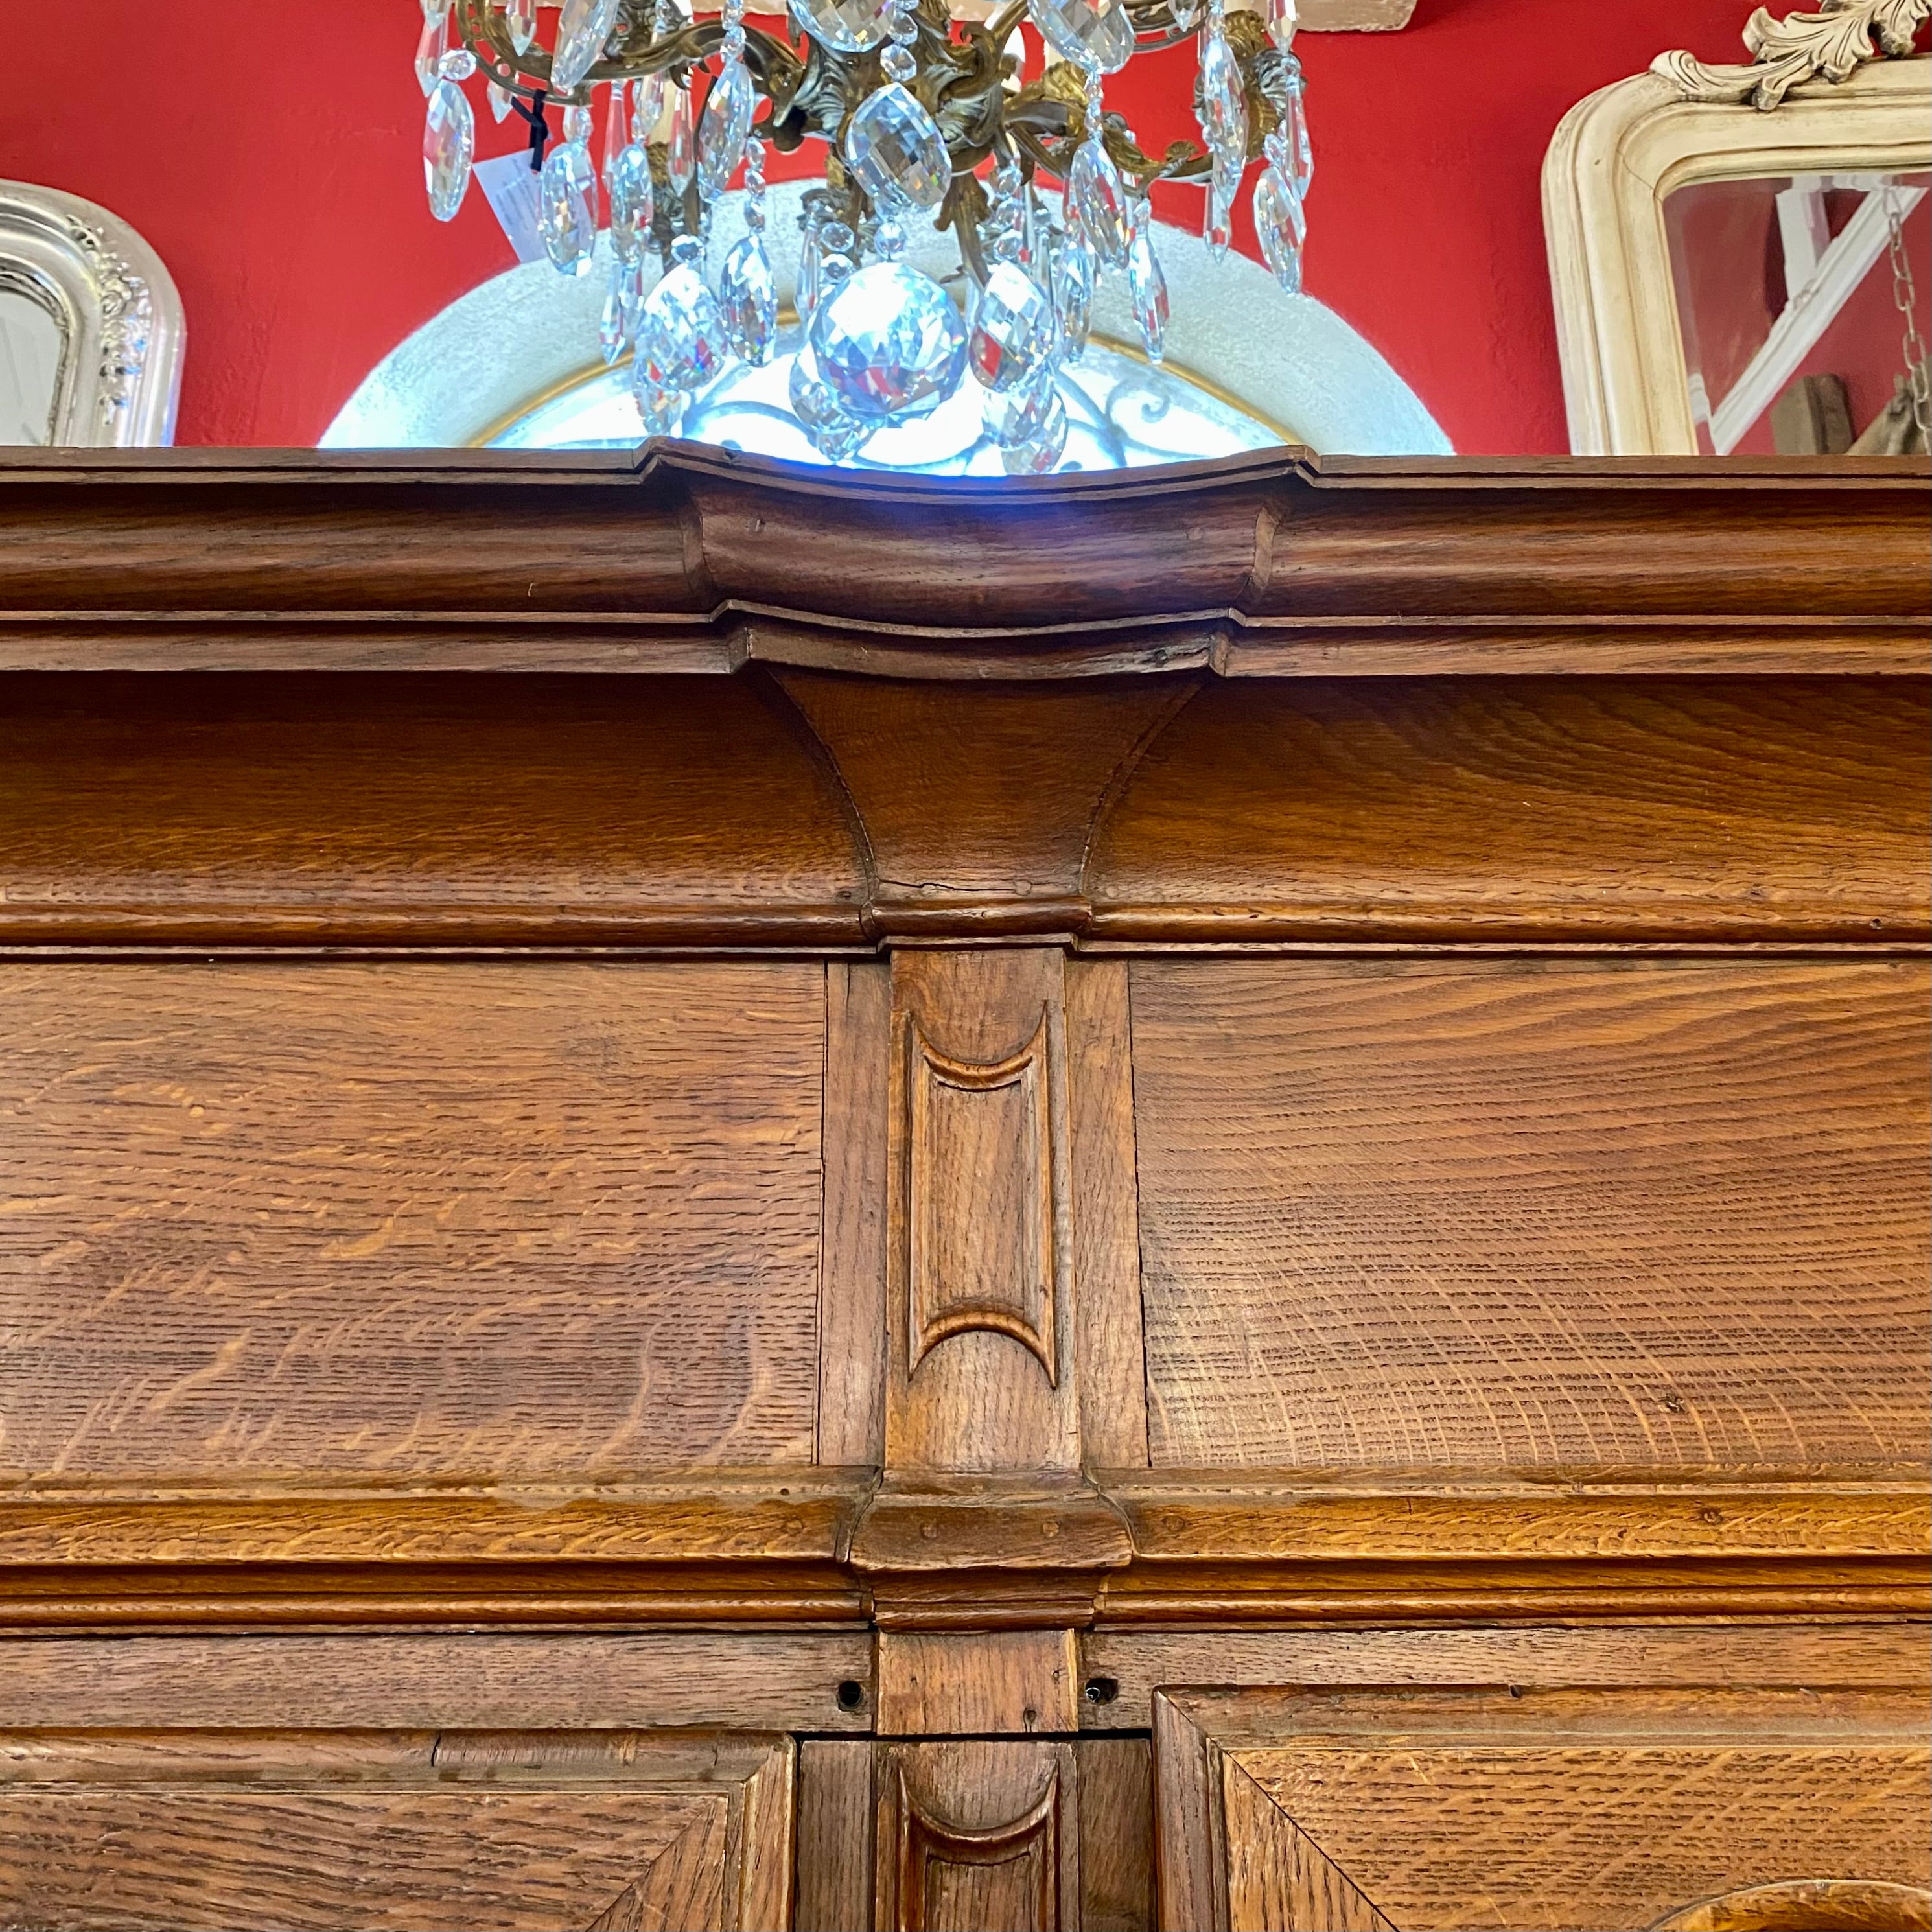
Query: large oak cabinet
(733, 1199)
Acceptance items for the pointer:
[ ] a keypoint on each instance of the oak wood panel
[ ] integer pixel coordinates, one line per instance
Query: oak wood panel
(835, 1820)
(449, 809)
(369, 1829)
(1116, 1812)
(771, 1679)
(852, 1267)
(1653, 541)
(1485, 807)
(1278, 1876)
(1132, 1665)
(1549, 1809)
(312, 533)
(1112, 1349)
(1106, 1833)
(475, 1221)
(1533, 1213)
(1269, 1546)
(1017, 1682)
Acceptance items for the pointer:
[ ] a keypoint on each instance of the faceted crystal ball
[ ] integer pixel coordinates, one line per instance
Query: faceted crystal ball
(889, 343)
(852, 26)
(1014, 328)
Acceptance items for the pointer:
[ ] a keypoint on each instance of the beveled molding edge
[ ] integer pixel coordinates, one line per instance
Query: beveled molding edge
(1270, 563)
(735, 636)
(830, 1547)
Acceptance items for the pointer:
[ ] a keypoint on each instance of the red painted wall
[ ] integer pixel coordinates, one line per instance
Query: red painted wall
(272, 159)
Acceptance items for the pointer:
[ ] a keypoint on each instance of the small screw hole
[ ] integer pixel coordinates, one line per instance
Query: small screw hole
(1102, 1690)
(851, 1695)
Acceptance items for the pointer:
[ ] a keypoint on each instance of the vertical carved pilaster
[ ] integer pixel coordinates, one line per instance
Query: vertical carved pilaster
(985, 1547)
(980, 1216)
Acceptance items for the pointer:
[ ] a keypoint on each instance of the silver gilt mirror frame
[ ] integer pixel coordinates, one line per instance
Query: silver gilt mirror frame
(91, 330)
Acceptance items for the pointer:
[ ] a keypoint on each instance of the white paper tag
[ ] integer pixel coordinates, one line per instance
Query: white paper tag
(510, 187)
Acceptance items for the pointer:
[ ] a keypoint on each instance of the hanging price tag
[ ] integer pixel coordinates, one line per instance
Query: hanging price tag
(510, 186)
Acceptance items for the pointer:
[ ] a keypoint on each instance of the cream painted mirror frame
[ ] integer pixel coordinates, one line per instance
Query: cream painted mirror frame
(1617, 154)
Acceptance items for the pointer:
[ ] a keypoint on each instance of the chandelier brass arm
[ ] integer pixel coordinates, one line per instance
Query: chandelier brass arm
(961, 79)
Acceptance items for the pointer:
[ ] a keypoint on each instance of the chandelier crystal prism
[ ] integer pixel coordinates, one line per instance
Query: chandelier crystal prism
(923, 119)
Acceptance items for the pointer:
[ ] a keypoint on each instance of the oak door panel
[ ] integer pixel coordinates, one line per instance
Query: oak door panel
(343, 1830)
(1521, 1214)
(1532, 1811)
(507, 1221)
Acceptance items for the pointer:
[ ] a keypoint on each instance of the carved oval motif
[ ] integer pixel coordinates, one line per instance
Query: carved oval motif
(1809, 1905)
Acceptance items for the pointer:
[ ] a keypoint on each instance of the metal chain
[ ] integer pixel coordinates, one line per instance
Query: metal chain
(1904, 292)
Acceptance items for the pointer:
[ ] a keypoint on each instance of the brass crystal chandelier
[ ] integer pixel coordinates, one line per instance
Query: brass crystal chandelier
(924, 117)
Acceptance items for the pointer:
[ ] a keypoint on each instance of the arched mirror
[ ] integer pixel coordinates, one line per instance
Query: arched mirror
(91, 328)
(1731, 248)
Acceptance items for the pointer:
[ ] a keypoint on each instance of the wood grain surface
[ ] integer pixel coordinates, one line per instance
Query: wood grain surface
(281, 810)
(1529, 1809)
(742, 1680)
(1116, 1811)
(476, 1221)
(836, 1815)
(1469, 1236)
(994, 801)
(1487, 808)
(1017, 1682)
(699, 533)
(1512, 1214)
(1112, 1350)
(538, 1830)
(1277, 1875)
(1103, 1837)
(1572, 1809)
(1136, 1664)
(852, 1263)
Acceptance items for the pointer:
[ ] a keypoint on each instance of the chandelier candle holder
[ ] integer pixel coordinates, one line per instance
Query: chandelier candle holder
(925, 118)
